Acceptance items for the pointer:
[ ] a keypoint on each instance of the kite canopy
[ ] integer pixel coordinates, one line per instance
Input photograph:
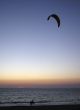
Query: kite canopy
(55, 17)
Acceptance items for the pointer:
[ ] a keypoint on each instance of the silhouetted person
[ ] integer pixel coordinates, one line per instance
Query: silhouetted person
(32, 102)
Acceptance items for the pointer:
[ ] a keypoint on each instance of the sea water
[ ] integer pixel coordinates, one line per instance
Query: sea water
(41, 96)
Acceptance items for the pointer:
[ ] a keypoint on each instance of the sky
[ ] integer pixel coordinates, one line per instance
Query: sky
(34, 51)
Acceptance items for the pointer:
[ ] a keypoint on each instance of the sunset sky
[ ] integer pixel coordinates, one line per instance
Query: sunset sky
(34, 51)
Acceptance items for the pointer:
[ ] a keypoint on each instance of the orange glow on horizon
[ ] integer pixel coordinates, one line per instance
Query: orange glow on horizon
(41, 82)
(26, 79)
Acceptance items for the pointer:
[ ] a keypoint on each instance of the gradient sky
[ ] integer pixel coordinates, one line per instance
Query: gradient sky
(34, 50)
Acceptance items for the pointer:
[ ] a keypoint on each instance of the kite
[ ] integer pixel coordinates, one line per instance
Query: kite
(55, 17)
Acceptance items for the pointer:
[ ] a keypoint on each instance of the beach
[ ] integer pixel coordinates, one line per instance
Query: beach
(43, 107)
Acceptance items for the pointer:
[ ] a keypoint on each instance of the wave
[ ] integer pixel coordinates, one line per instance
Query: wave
(24, 102)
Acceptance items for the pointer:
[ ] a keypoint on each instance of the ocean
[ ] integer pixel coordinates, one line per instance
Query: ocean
(41, 96)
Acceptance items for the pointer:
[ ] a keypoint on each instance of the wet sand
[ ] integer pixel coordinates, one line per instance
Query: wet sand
(45, 107)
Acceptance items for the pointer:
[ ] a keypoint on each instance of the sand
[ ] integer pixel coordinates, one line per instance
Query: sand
(45, 107)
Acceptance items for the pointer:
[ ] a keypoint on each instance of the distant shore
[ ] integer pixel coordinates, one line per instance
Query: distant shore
(43, 107)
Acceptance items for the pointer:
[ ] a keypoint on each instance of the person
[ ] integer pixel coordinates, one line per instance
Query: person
(32, 102)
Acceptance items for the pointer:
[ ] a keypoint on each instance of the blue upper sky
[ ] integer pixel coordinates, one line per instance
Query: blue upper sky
(31, 44)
